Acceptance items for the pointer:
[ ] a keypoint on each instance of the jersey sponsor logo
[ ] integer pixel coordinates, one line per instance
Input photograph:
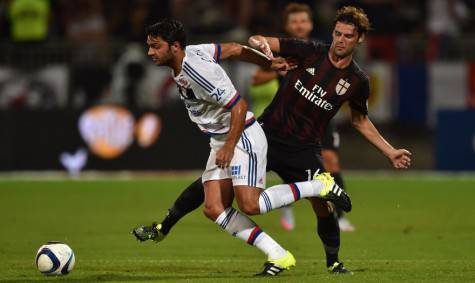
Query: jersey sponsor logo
(342, 86)
(217, 94)
(182, 82)
(187, 93)
(194, 111)
(315, 95)
(311, 71)
(203, 56)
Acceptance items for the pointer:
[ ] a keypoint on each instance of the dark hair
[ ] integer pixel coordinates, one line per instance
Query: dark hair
(354, 16)
(169, 30)
(293, 8)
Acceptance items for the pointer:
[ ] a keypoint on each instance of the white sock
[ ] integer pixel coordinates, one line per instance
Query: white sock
(285, 194)
(242, 227)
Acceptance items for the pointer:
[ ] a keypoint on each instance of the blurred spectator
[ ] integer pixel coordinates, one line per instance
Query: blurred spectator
(136, 20)
(410, 16)
(444, 23)
(29, 20)
(265, 20)
(224, 18)
(86, 30)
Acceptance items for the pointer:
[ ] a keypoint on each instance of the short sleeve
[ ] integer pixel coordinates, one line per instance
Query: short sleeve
(299, 48)
(213, 50)
(359, 100)
(212, 78)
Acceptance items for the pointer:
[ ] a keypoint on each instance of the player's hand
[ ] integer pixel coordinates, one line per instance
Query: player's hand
(400, 158)
(261, 43)
(224, 156)
(283, 65)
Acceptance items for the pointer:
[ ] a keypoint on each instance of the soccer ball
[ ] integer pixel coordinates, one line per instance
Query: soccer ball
(55, 258)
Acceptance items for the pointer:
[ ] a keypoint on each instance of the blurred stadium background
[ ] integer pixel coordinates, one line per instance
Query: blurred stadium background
(61, 58)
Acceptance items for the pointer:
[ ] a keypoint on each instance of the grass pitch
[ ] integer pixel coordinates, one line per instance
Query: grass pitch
(407, 230)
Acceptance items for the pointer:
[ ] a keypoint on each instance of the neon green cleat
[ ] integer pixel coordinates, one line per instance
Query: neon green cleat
(152, 232)
(332, 192)
(338, 268)
(276, 266)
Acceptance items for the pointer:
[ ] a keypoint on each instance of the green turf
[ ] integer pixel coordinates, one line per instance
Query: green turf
(412, 230)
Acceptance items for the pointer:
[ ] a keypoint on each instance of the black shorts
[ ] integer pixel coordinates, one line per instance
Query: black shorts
(293, 163)
(331, 139)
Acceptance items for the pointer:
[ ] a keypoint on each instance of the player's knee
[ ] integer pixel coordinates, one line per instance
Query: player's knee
(249, 208)
(212, 212)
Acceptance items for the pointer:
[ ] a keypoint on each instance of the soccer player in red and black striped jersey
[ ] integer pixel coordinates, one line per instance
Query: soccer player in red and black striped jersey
(295, 121)
(310, 96)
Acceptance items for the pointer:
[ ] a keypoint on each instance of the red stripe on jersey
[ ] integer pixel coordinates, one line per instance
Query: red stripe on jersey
(233, 101)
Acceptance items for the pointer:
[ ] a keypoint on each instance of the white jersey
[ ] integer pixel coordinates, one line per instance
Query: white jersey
(206, 89)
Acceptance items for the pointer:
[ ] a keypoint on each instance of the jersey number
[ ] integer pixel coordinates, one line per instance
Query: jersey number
(309, 174)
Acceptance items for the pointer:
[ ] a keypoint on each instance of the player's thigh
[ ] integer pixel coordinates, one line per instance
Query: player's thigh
(248, 166)
(218, 196)
(295, 165)
(331, 160)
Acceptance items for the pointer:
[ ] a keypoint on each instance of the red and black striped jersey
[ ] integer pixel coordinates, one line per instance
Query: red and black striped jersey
(311, 95)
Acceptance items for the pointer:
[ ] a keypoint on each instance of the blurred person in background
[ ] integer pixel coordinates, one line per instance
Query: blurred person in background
(29, 26)
(228, 18)
(444, 23)
(29, 20)
(298, 23)
(86, 31)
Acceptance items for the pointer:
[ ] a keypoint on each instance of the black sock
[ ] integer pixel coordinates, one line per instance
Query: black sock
(190, 199)
(339, 181)
(329, 232)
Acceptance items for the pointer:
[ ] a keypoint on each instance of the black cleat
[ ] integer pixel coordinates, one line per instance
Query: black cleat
(332, 192)
(270, 269)
(338, 268)
(274, 267)
(152, 232)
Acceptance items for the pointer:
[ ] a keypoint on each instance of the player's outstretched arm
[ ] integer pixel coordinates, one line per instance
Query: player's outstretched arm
(250, 55)
(400, 158)
(265, 44)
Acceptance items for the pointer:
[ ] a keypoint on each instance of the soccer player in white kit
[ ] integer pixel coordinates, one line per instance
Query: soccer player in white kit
(237, 161)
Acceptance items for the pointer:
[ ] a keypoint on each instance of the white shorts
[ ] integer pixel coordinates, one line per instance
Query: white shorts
(248, 166)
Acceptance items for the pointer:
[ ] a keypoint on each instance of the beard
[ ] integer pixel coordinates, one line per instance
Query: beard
(163, 60)
(342, 53)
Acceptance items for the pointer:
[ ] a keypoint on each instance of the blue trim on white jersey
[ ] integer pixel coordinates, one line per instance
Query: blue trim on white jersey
(218, 56)
(196, 75)
(193, 76)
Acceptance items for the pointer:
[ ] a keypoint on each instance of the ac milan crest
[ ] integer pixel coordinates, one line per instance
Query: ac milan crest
(342, 87)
